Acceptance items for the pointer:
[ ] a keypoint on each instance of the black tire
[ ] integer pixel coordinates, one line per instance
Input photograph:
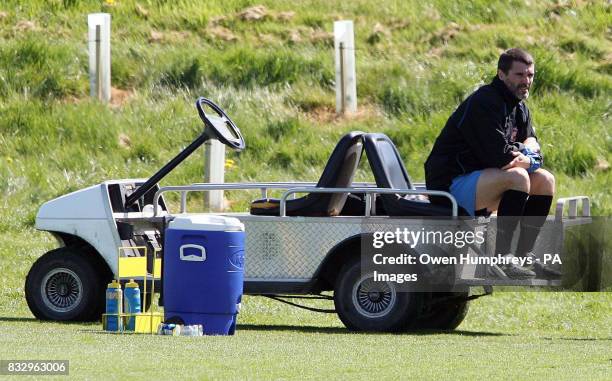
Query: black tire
(443, 311)
(364, 308)
(65, 285)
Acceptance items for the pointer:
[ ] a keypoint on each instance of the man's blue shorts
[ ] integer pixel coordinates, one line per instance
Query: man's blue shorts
(463, 188)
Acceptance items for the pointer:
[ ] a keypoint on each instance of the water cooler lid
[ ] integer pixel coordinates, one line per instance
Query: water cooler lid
(205, 222)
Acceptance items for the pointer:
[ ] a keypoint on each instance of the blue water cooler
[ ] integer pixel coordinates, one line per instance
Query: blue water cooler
(203, 271)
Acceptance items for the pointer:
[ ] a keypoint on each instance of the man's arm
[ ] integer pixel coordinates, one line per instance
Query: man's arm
(532, 151)
(525, 122)
(482, 126)
(532, 144)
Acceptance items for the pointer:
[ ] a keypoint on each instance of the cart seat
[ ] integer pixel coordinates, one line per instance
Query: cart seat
(338, 173)
(389, 172)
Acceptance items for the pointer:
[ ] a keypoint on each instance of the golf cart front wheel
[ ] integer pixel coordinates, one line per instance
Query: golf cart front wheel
(365, 305)
(63, 285)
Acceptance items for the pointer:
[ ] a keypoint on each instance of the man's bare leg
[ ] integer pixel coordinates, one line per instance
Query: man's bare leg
(493, 182)
(542, 183)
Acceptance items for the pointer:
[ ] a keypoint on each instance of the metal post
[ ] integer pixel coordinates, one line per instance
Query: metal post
(346, 84)
(342, 80)
(99, 56)
(98, 64)
(214, 172)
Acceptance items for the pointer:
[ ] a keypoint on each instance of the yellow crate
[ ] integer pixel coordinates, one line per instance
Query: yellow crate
(135, 267)
(145, 322)
(148, 323)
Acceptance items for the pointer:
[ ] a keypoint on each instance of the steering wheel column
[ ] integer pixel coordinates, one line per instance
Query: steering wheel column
(217, 126)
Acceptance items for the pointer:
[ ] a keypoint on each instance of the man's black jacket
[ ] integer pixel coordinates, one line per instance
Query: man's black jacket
(478, 135)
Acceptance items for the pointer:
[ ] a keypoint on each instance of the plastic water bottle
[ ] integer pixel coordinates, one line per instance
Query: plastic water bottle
(169, 329)
(192, 330)
(132, 304)
(114, 298)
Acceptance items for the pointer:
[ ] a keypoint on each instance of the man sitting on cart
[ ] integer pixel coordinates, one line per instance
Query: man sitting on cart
(488, 157)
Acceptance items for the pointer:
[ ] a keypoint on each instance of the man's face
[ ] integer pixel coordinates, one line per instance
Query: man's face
(519, 79)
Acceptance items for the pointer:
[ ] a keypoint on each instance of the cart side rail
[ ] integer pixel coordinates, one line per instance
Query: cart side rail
(572, 204)
(292, 188)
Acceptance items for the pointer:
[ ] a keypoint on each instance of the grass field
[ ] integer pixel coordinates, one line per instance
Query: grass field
(564, 336)
(272, 70)
(509, 335)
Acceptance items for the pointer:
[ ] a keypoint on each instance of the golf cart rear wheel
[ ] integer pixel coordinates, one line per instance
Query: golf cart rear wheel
(64, 285)
(365, 305)
(443, 311)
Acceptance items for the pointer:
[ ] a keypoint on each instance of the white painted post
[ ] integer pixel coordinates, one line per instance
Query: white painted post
(99, 55)
(214, 172)
(346, 82)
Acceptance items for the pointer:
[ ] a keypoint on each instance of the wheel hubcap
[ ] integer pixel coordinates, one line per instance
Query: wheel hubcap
(373, 299)
(61, 290)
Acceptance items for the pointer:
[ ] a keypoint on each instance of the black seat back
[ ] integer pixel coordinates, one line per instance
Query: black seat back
(387, 165)
(338, 173)
(389, 172)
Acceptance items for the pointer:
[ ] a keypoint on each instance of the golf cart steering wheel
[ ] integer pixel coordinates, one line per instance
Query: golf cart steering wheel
(220, 126)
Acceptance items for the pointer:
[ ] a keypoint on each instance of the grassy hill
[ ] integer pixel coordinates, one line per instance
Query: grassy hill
(270, 64)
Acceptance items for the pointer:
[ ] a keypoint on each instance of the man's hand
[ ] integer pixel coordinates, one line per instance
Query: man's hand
(532, 144)
(519, 160)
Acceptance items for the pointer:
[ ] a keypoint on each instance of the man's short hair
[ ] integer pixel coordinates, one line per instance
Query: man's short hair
(509, 56)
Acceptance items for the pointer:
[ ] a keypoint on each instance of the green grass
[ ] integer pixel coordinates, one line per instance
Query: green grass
(560, 336)
(432, 56)
(275, 79)
(509, 335)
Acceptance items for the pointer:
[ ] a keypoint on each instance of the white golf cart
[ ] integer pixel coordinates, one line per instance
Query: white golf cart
(294, 247)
